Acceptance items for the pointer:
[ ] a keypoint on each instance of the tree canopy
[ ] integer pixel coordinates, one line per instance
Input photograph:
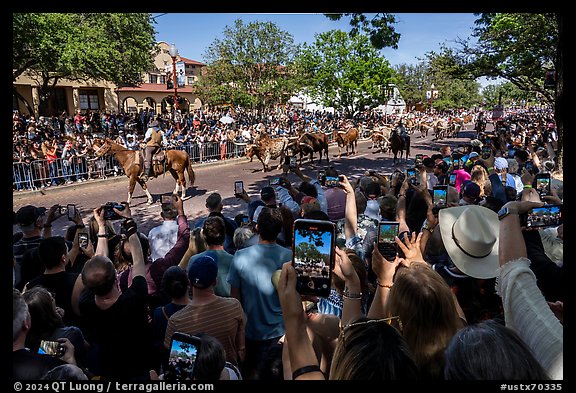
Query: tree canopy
(252, 66)
(344, 72)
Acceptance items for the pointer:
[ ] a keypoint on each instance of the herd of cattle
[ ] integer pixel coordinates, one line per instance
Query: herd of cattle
(267, 148)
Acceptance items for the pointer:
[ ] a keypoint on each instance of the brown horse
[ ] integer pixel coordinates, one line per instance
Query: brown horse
(397, 145)
(174, 161)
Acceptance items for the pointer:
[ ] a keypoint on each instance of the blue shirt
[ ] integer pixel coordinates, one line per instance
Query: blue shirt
(251, 271)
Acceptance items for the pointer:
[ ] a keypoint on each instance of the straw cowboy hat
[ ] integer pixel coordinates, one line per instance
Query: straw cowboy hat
(470, 235)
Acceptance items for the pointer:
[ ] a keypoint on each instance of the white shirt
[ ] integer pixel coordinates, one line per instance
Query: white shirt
(162, 238)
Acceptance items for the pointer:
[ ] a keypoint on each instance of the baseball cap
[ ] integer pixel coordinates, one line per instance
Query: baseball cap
(267, 193)
(309, 204)
(473, 154)
(471, 189)
(26, 215)
(500, 163)
(203, 271)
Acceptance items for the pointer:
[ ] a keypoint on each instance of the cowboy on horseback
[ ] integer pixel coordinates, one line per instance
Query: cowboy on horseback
(401, 130)
(154, 140)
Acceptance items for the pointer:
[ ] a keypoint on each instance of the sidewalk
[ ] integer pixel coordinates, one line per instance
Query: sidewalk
(19, 195)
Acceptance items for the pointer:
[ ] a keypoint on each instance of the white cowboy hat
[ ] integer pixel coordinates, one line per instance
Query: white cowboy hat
(470, 235)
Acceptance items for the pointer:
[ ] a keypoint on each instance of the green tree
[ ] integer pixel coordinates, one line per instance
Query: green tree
(517, 47)
(81, 46)
(251, 66)
(344, 72)
(379, 27)
(307, 252)
(412, 84)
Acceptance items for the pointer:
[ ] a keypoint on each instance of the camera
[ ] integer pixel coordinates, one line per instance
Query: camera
(109, 213)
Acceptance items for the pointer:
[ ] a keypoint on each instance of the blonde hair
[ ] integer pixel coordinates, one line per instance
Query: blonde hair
(479, 176)
(427, 311)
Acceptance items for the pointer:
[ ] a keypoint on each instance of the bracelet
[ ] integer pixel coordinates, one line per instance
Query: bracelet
(305, 370)
(384, 285)
(349, 295)
(489, 169)
(528, 186)
(102, 235)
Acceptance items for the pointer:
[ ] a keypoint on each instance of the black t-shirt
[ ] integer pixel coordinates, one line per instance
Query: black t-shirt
(121, 333)
(61, 284)
(27, 365)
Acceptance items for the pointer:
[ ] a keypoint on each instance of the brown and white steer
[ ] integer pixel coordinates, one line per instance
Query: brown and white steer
(266, 148)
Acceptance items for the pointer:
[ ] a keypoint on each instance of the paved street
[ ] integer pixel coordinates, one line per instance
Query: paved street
(216, 177)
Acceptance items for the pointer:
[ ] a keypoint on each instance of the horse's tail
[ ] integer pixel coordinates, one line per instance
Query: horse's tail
(191, 175)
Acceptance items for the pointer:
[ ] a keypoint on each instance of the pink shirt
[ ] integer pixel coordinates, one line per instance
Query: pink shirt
(461, 177)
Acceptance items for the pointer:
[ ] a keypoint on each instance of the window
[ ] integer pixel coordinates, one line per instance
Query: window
(190, 80)
(89, 99)
(153, 78)
(162, 79)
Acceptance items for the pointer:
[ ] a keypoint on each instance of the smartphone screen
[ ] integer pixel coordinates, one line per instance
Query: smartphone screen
(245, 220)
(313, 256)
(63, 210)
(331, 181)
(542, 217)
(452, 180)
(83, 240)
(456, 164)
(418, 160)
(486, 151)
(440, 195)
(274, 181)
(238, 187)
(71, 211)
(53, 348)
(387, 232)
(411, 173)
(543, 184)
(182, 360)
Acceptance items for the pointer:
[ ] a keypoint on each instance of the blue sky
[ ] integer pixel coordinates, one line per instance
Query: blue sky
(192, 33)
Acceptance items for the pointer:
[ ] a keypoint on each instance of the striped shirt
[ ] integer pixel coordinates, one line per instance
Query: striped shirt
(222, 319)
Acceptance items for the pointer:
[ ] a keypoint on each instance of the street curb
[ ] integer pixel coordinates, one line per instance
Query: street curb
(21, 195)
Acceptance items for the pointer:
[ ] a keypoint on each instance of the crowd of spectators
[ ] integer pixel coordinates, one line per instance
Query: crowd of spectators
(463, 275)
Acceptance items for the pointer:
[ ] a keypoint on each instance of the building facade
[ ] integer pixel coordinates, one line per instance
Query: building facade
(69, 96)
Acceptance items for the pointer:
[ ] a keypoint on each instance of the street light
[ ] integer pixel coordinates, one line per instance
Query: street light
(173, 51)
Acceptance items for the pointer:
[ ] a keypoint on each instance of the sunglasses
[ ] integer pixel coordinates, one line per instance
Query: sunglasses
(344, 329)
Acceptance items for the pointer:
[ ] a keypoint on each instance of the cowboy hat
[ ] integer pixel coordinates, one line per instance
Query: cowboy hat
(470, 235)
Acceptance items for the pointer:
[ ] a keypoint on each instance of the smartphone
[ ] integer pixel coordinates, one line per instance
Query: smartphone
(440, 195)
(530, 167)
(455, 164)
(418, 160)
(83, 240)
(542, 185)
(274, 181)
(71, 211)
(313, 256)
(412, 177)
(331, 181)
(109, 213)
(53, 348)
(245, 220)
(182, 360)
(292, 162)
(486, 151)
(452, 180)
(542, 217)
(387, 232)
(238, 187)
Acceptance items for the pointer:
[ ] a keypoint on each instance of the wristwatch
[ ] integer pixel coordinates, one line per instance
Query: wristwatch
(505, 211)
(427, 227)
